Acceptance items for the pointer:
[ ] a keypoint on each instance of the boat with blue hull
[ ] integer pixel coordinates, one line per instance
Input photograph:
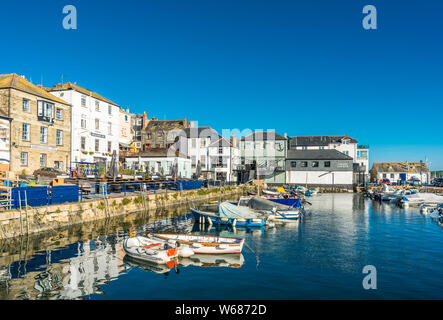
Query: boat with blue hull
(228, 214)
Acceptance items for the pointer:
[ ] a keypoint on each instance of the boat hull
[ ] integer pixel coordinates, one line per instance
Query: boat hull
(213, 219)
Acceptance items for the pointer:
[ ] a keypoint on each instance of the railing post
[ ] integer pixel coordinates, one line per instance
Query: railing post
(124, 188)
(155, 191)
(81, 193)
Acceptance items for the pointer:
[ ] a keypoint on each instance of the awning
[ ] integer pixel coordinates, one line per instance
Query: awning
(125, 145)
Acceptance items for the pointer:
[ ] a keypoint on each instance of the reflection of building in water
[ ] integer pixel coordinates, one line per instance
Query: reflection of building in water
(93, 263)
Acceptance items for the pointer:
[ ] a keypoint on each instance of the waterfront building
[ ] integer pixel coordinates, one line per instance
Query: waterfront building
(400, 171)
(158, 162)
(268, 150)
(319, 168)
(138, 122)
(162, 133)
(125, 131)
(95, 123)
(224, 156)
(40, 125)
(5, 143)
(347, 145)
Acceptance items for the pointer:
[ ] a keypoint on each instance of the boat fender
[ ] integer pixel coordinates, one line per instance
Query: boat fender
(166, 246)
(177, 244)
(234, 222)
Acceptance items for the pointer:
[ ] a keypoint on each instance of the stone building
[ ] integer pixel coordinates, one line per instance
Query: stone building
(138, 123)
(400, 172)
(162, 133)
(40, 126)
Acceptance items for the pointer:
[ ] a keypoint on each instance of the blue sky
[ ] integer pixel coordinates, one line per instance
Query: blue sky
(299, 67)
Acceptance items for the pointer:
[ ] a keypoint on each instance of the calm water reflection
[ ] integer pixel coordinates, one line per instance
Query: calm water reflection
(320, 258)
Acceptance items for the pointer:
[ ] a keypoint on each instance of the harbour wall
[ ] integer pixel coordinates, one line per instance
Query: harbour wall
(34, 220)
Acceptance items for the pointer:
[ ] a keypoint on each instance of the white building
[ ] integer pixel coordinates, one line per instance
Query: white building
(95, 124)
(215, 155)
(314, 168)
(158, 162)
(224, 156)
(5, 140)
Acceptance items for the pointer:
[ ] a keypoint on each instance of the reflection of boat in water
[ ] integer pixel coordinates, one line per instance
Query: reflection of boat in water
(226, 213)
(202, 244)
(147, 250)
(204, 260)
(150, 266)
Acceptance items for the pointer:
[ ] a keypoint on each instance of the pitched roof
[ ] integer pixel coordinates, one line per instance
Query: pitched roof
(262, 136)
(202, 132)
(165, 125)
(318, 140)
(411, 167)
(326, 154)
(71, 86)
(223, 142)
(14, 81)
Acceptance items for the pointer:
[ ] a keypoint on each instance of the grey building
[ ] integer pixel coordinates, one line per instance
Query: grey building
(314, 168)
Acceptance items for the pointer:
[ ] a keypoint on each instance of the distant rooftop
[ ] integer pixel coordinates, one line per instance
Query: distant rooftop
(71, 86)
(411, 167)
(263, 136)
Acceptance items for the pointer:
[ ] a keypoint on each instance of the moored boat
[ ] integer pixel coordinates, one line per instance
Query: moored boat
(145, 249)
(203, 244)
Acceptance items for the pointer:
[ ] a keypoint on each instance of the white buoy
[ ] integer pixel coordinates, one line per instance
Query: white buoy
(210, 221)
(234, 222)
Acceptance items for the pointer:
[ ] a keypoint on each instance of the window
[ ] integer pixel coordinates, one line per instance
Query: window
(160, 134)
(59, 137)
(304, 148)
(148, 136)
(97, 145)
(321, 148)
(97, 124)
(293, 164)
(83, 143)
(110, 128)
(304, 164)
(43, 158)
(346, 153)
(327, 164)
(392, 176)
(314, 164)
(59, 114)
(97, 106)
(83, 121)
(220, 150)
(194, 143)
(126, 118)
(109, 146)
(26, 106)
(384, 175)
(139, 122)
(203, 161)
(58, 165)
(24, 158)
(43, 134)
(26, 132)
(109, 109)
(83, 102)
(45, 111)
(193, 161)
(202, 142)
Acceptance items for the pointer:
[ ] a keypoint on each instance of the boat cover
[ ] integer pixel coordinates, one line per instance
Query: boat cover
(257, 203)
(231, 211)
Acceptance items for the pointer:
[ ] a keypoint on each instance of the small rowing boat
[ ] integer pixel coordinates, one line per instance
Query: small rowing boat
(202, 244)
(146, 249)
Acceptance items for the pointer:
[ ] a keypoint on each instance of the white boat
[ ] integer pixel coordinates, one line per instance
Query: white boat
(146, 249)
(203, 244)
(275, 211)
(420, 198)
(206, 260)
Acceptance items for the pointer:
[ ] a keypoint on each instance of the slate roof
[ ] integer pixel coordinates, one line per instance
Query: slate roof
(411, 167)
(326, 154)
(202, 132)
(71, 86)
(318, 140)
(14, 81)
(263, 136)
(156, 153)
(165, 125)
(223, 142)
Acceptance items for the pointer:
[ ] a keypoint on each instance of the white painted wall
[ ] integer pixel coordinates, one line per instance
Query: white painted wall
(90, 114)
(184, 164)
(319, 177)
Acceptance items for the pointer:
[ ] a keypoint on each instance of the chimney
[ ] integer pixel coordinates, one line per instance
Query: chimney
(234, 140)
(286, 135)
(191, 123)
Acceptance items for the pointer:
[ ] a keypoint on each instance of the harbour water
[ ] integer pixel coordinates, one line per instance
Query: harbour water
(321, 257)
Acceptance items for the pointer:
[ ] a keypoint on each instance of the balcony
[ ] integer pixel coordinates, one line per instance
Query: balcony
(45, 119)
